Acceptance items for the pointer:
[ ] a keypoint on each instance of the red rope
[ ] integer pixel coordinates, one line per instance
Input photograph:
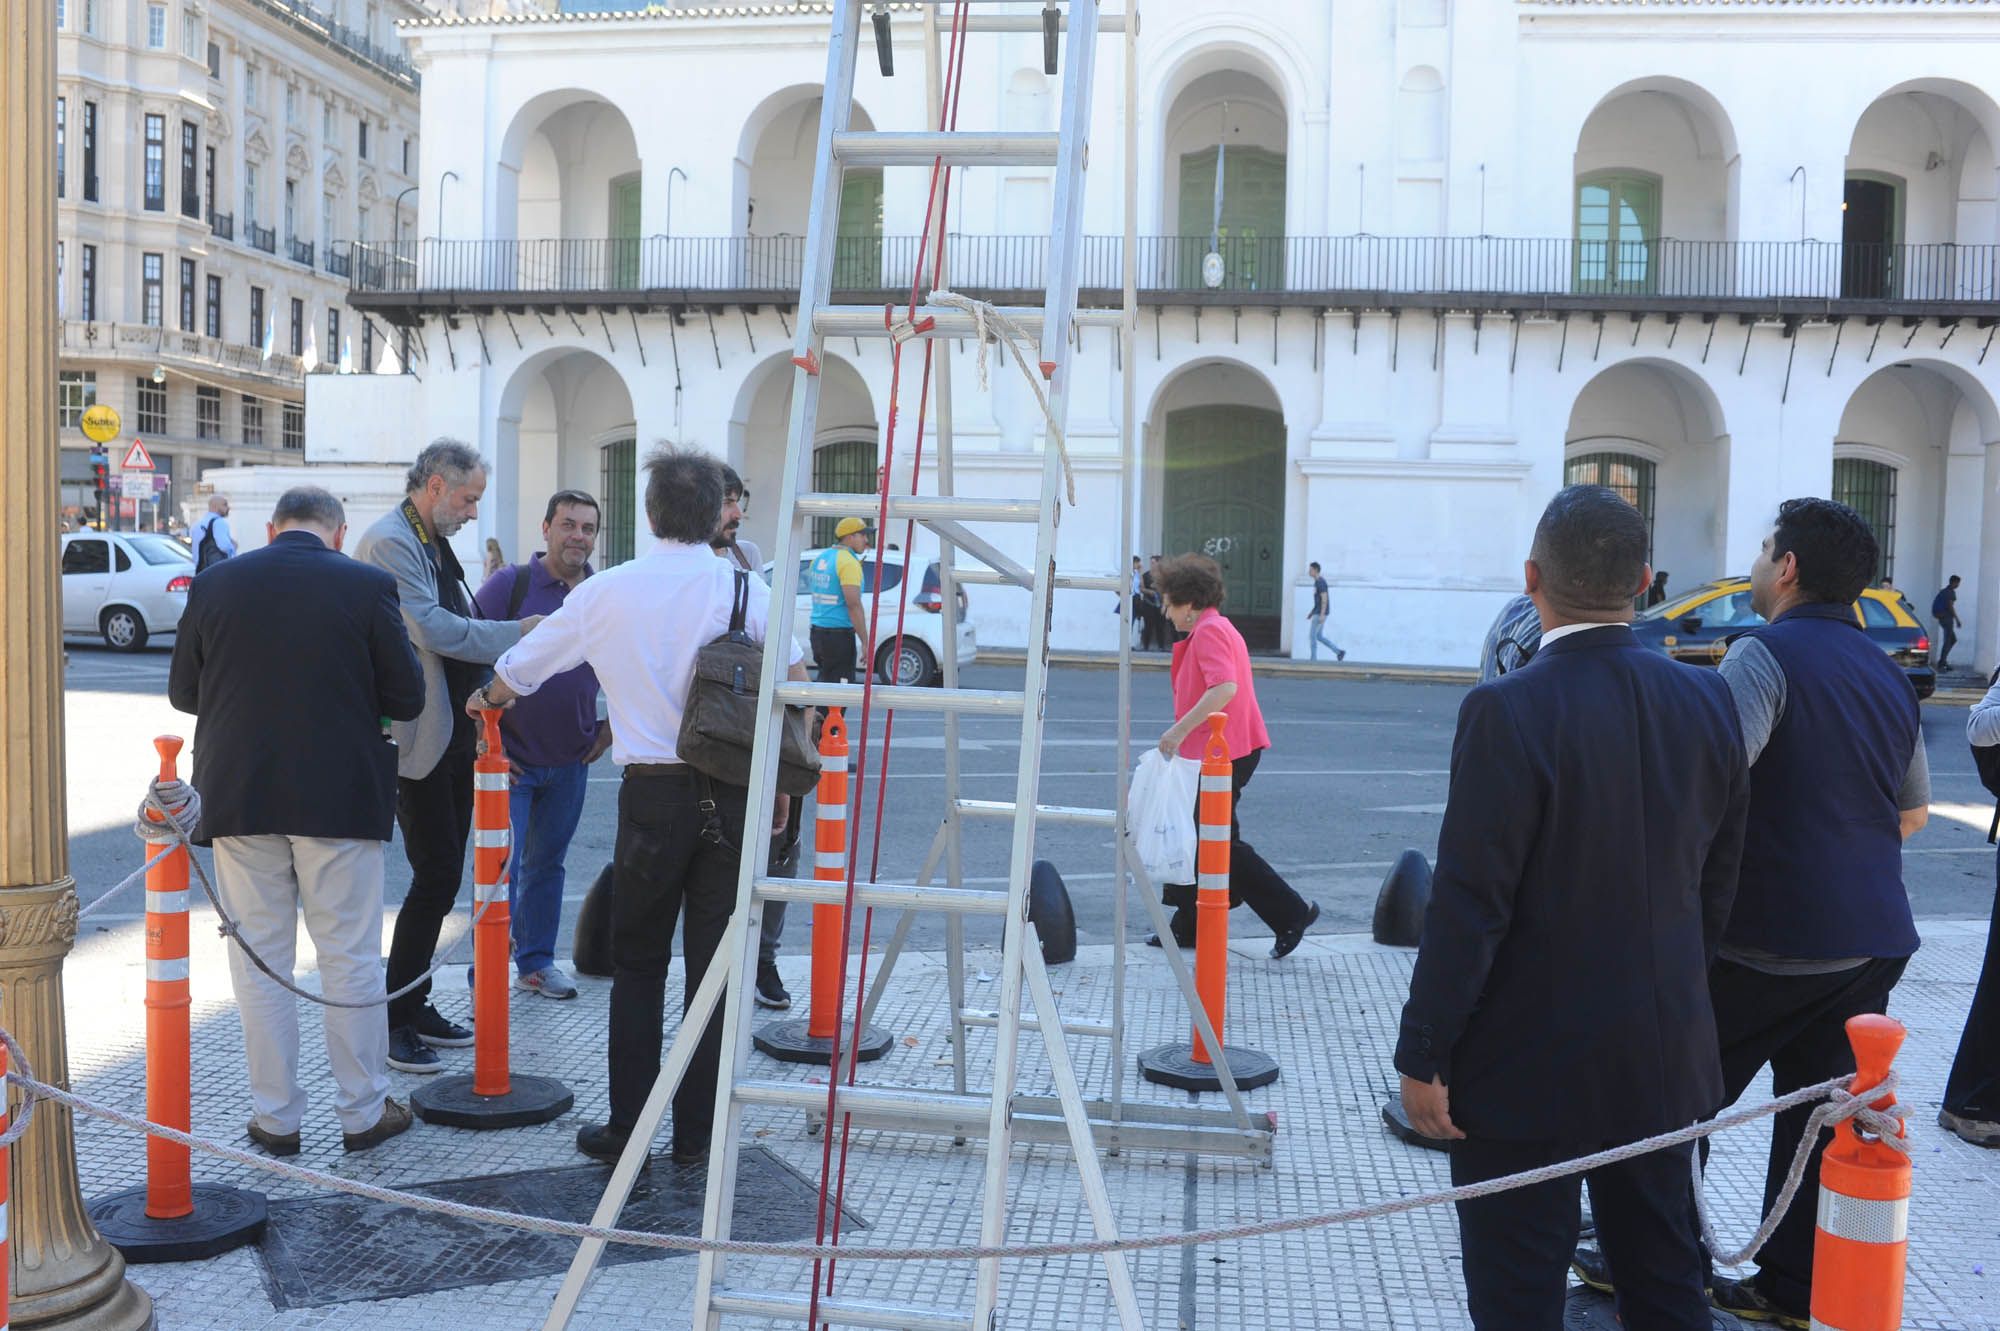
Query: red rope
(935, 205)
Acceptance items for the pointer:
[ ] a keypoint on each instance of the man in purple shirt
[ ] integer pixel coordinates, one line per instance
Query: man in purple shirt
(551, 737)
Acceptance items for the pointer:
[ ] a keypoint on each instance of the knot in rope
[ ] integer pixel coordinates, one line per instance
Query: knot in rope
(169, 813)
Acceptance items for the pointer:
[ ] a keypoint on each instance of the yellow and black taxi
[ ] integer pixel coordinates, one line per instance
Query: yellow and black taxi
(1697, 626)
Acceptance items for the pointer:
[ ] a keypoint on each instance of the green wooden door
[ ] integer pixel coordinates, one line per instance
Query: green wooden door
(1617, 232)
(624, 267)
(1252, 236)
(857, 246)
(1224, 496)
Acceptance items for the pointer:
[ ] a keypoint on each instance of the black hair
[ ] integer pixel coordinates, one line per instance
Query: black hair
(683, 495)
(1837, 554)
(732, 484)
(1314, 566)
(577, 497)
(1591, 549)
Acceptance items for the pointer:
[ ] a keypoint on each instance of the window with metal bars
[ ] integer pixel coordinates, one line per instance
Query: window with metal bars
(1869, 488)
(207, 413)
(618, 474)
(1630, 477)
(253, 421)
(152, 414)
(845, 466)
(292, 427)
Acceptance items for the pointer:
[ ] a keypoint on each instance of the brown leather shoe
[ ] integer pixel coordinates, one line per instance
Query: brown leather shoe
(1977, 1131)
(395, 1121)
(275, 1143)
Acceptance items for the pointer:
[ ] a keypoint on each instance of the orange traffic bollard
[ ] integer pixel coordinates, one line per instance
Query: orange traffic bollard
(492, 1097)
(812, 1040)
(1862, 1244)
(176, 1221)
(1191, 1066)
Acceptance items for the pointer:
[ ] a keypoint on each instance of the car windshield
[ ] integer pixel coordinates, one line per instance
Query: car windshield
(160, 549)
(1679, 605)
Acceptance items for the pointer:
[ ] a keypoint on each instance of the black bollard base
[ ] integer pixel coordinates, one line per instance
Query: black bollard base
(1174, 1065)
(223, 1218)
(1400, 1127)
(450, 1102)
(788, 1042)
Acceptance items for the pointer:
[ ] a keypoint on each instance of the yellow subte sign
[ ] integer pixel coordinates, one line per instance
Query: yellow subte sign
(101, 424)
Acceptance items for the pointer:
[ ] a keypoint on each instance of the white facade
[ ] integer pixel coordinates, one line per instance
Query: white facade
(216, 158)
(1658, 252)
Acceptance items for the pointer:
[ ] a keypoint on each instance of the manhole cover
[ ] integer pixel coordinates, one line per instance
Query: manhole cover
(341, 1249)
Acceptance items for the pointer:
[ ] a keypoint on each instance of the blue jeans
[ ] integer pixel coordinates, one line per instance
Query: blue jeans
(544, 807)
(1318, 623)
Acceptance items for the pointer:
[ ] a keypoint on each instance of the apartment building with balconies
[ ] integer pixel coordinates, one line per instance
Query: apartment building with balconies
(1405, 268)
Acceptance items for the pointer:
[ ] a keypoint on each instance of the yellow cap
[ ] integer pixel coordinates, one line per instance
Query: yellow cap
(849, 526)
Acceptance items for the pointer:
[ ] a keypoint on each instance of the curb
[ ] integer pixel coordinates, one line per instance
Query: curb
(1265, 666)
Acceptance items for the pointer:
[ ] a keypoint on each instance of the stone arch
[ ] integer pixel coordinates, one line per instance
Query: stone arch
(760, 422)
(569, 170)
(1655, 171)
(561, 418)
(1920, 182)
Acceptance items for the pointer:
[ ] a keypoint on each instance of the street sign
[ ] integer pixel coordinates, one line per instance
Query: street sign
(137, 458)
(114, 483)
(101, 424)
(160, 484)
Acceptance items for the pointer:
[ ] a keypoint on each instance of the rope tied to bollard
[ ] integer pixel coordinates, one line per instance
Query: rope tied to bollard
(177, 805)
(1841, 1105)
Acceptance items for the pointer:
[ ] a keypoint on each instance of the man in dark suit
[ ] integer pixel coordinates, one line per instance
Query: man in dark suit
(1585, 870)
(294, 658)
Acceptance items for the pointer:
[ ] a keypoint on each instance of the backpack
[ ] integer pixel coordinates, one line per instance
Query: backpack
(209, 552)
(719, 723)
(1986, 757)
(518, 592)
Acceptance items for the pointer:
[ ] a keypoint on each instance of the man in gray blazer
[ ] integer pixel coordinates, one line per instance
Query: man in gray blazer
(435, 751)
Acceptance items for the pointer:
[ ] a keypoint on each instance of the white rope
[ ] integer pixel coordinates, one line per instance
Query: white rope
(1842, 1106)
(990, 324)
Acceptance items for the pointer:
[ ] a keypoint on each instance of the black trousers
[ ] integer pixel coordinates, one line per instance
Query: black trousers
(435, 816)
(1252, 881)
(1797, 1024)
(669, 863)
(1948, 639)
(1516, 1245)
(834, 652)
(1973, 1091)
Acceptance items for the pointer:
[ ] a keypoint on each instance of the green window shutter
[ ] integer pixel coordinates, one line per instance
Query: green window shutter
(857, 262)
(618, 476)
(625, 232)
(1617, 231)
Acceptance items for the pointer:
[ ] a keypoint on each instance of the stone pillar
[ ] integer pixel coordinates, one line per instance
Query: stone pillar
(63, 1274)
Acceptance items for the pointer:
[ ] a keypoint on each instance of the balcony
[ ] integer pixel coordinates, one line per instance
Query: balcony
(339, 260)
(319, 23)
(1482, 273)
(190, 351)
(222, 225)
(260, 237)
(301, 251)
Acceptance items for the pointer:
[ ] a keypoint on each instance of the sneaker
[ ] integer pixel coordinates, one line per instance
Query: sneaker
(690, 1155)
(1746, 1301)
(1979, 1132)
(602, 1141)
(408, 1052)
(1339, 655)
(438, 1031)
(395, 1121)
(771, 992)
(1282, 945)
(1590, 1267)
(548, 982)
(274, 1143)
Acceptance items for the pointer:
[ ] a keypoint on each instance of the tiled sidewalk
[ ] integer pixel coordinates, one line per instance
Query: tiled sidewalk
(1328, 1014)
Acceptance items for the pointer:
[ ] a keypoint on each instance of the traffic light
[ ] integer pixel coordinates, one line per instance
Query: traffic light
(100, 476)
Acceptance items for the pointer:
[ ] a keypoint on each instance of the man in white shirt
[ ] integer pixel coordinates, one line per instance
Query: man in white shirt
(680, 833)
(213, 528)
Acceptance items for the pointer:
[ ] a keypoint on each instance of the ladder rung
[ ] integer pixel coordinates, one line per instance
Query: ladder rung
(840, 1312)
(866, 320)
(1033, 23)
(878, 1103)
(877, 148)
(984, 702)
(1069, 582)
(885, 896)
(1029, 1021)
(1044, 813)
(922, 508)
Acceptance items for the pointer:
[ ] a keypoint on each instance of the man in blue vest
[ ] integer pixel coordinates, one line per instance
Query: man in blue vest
(835, 582)
(1821, 927)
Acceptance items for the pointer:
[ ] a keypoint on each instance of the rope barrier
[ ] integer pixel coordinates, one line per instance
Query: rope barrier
(1841, 1105)
(83, 912)
(990, 324)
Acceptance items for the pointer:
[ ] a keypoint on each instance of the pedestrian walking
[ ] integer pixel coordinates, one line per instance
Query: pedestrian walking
(289, 657)
(1972, 1092)
(1657, 593)
(210, 537)
(728, 543)
(435, 751)
(837, 618)
(1944, 609)
(1512, 640)
(1317, 619)
(1821, 927)
(495, 560)
(1210, 674)
(680, 833)
(1559, 1004)
(551, 740)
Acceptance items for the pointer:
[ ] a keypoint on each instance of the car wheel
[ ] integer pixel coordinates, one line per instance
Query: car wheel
(123, 629)
(914, 665)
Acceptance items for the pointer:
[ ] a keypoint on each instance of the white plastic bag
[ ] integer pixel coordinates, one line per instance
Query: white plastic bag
(1159, 813)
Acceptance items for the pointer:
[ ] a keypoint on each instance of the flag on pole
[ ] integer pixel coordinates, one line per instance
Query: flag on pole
(270, 337)
(1215, 224)
(347, 354)
(310, 360)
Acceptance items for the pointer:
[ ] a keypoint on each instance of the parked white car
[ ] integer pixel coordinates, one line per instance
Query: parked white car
(125, 586)
(924, 627)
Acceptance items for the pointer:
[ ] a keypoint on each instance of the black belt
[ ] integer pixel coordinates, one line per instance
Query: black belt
(658, 769)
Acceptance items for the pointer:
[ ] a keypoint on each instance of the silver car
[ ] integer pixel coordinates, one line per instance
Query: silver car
(124, 586)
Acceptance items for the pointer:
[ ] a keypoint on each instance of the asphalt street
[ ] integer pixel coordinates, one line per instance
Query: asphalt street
(1357, 772)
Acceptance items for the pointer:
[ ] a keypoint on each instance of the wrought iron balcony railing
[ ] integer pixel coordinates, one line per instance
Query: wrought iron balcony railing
(261, 237)
(1292, 269)
(222, 225)
(300, 250)
(339, 261)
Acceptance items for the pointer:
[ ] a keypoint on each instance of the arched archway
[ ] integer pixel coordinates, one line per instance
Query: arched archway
(1920, 183)
(1653, 431)
(1216, 444)
(774, 173)
(567, 183)
(1225, 173)
(565, 422)
(846, 448)
(1655, 184)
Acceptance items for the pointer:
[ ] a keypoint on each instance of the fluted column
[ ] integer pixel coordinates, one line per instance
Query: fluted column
(63, 1274)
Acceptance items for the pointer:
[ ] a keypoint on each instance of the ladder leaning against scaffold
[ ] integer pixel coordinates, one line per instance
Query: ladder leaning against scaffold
(996, 1112)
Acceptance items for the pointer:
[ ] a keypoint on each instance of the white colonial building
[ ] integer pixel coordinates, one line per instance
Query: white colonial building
(1712, 252)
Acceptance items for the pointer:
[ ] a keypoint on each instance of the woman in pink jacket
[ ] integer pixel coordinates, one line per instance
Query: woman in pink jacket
(1211, 673)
